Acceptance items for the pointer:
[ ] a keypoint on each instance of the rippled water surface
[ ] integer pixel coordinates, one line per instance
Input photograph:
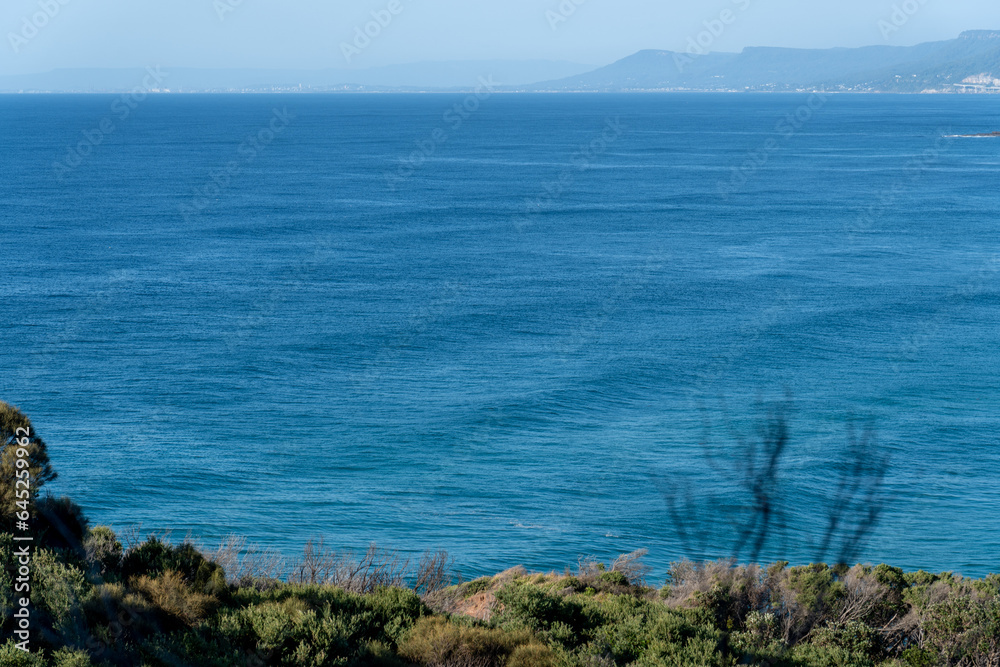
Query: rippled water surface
(520, 333)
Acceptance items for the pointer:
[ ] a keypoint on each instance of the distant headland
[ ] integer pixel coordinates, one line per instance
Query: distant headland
(968, 64)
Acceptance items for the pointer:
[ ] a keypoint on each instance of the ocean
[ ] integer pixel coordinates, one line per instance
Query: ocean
(527, 329)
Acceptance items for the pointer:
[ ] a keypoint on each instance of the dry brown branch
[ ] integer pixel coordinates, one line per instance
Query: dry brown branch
(130, 537)
(375, 569)
(246, 563)
(748, 586)
(434, 572)
(632, 567)
(862, 595)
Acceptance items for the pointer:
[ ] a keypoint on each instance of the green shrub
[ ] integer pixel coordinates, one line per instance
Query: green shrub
(816, 586)
(436, 641)
(964, 629)
(723, 604)
(698, 652)
(614, 578)
(103, 551)
(395, 611)
(58, 590)
(66, 657)
(377, 654)
(892, 603)
(11, 656)
(811, 655)
(202, 574)
(988, 586)
(918, 657)
(626, 629)
(153, 558)
(855, 639)
(806, 597)
(149, 559)
(299, 636)
(627, 637)
(319, 624)
(760, 640)
(117, 619)
(920, 578)
(934, 588)
(477, 586)
(171, 594)
(532, 655)
(525, 606)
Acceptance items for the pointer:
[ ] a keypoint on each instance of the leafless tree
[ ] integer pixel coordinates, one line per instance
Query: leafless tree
(434, 572)
(761, 471)
(857, 502)
(862, 595)
(376, 568)
(246, 563)
(684, 509)
(851, 513)
(632, 566)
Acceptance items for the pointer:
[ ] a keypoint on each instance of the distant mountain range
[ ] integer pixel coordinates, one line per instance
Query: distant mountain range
(414, 77)
(970, 63)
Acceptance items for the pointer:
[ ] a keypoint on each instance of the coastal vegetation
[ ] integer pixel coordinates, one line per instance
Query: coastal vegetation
(101, 598)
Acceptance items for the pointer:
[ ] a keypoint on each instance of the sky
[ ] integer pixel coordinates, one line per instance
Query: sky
(40, 35)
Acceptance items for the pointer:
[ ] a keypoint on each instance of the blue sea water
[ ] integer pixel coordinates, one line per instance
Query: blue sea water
(515, 330)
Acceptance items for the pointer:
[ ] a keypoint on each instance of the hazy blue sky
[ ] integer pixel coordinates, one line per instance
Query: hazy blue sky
(309, 33)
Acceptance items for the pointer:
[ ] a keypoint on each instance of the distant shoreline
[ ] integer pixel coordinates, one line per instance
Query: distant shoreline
(465, 91)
